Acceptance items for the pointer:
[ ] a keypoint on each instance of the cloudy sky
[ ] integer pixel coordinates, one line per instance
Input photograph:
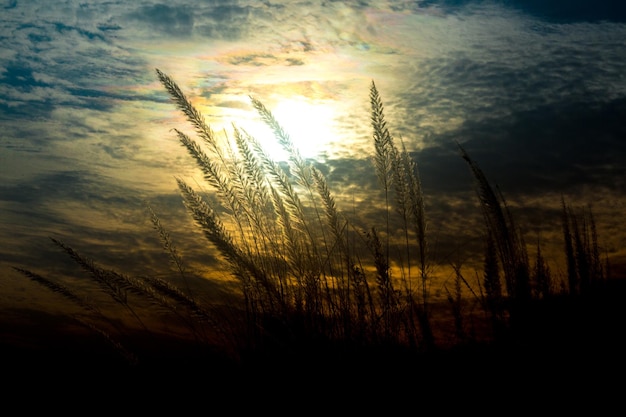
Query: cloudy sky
(534, 90)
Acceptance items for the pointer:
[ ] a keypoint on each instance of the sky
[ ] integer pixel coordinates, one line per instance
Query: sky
(535, 91)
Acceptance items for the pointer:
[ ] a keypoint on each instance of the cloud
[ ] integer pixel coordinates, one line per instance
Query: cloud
(226, 21)
(489, 73)
(574, 10)
(549, 148)
(167, 20)
(10, 4)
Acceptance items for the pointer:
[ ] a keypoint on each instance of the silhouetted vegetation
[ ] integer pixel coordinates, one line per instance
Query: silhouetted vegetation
(314, 283)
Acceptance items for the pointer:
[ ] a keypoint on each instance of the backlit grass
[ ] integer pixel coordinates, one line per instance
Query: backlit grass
(312, 282)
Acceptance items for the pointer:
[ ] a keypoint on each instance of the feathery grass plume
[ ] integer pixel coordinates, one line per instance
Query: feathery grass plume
(199, 315)
(397, 171)
(116, 285)
(584, 268)
(498, 221)
(168, 290)
(491, 274)
(168, 245)
(303, 172)
(229, 178)
(387, 295)
(581, 252)
(302, 243)
(494, 218)
(383, 150)
(289, 197)
(129, 356)
(345, 272)
(417, 216)
(62, 290)
(261, 193)
(301, 168)
(400, 181)
(254, 183)
(455, 299)
(209, 223)
(597, 269)
(332, 215)
(193, 115)
(218, 169)
(288, 210)
(117, 289)
(523, 291)
(416, 198)
(493, 300)
(87, 306)
(257, 194)
(253, 279)
(542, 275)
(213, 174)
(410, 205)
(337, 227)
(572, 273)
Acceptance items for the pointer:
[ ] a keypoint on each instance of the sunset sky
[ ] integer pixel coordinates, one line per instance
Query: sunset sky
(535, 91)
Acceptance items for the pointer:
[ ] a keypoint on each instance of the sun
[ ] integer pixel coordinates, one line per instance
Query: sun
(309, 124)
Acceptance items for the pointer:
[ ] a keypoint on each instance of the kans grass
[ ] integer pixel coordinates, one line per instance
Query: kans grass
(317, 288)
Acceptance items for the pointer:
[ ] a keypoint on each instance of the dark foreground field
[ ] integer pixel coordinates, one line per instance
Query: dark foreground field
(568, 348)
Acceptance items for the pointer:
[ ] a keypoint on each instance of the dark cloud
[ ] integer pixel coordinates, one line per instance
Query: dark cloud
(352, 171)
(109, 27)
(65, 185)
(99, 218)
(62, 28)
(19, 81)
(55, 64)
(559, 147)
(567, 11)
(171, 20)
(225, 21)
(10, 4)
(294, 61)
(21, 76)
(215, 20)
(264, 59)
(536, 72)
(253, 59)
(559, 11)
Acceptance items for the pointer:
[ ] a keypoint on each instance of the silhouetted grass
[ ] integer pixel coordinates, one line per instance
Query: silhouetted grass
(313, 286)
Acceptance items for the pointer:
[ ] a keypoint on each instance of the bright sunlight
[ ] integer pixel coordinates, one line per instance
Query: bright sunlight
(308, 123)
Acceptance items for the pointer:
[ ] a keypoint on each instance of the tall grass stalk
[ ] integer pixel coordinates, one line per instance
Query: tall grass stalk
(397, 171)
(584, 266)
(507, 239)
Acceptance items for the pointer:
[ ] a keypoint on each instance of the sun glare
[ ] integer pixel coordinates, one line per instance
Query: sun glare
(308, 123)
